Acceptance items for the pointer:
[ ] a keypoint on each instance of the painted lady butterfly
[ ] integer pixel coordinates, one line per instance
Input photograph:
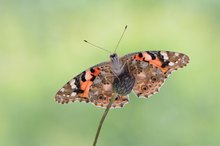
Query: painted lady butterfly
(142, 72)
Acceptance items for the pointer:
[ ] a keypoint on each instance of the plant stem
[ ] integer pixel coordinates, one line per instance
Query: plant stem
(103, 118)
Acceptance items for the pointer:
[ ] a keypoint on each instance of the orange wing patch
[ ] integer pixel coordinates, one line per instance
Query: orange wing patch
(144, 56)
(84, 86)
(158, 64)
(87, 81)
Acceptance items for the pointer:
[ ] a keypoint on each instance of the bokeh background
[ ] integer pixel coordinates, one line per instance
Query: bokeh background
(41, 48)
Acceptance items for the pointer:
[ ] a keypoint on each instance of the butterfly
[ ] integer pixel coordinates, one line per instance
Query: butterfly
(142, 72)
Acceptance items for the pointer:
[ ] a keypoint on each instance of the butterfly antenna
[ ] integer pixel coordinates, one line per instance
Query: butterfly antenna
(120, 38)
(98, 47)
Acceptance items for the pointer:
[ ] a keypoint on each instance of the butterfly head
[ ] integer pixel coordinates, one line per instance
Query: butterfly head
(114, 58)
(114, 55)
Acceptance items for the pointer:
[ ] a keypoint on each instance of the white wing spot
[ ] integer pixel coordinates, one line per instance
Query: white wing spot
(147, 56)
(73, 94)
(171, 64)
(176, 54)
(73, 86)
(62, 90)
(164, 54)
(72, 83)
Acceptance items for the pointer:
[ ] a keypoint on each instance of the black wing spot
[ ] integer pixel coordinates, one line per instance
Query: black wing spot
(153, 57)
(160, 57)
(165, 64)
(93, 78)
(92, 70)
(140, 55)
(78, 90)
(83, 78)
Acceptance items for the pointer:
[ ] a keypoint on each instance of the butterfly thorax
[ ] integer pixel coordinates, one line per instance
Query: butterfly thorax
(124, 80)
(116, 64)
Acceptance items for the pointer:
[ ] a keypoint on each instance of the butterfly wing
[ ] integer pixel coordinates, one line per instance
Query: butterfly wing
(92, 86)
(151, 68)
(95, 85)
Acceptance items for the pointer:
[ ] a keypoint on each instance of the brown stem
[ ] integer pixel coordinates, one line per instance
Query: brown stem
(103, 118)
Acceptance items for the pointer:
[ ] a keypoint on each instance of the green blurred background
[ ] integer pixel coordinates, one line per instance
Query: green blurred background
(41, 48)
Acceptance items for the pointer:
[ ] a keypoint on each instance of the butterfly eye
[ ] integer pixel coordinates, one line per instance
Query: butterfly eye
(113, 55)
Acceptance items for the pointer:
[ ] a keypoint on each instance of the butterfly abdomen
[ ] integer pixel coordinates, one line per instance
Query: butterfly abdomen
(124, 83)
